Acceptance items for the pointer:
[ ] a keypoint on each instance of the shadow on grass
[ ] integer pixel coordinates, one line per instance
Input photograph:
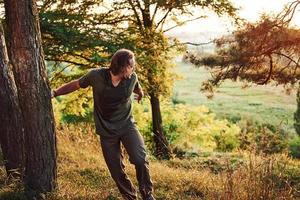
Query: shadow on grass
(13, 195)
(11, 190)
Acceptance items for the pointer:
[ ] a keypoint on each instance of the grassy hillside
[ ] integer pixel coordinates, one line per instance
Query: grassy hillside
(82, 174)
(264, 104)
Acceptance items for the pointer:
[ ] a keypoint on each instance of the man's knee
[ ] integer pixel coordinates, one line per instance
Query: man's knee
(138, 160)
(117, 174)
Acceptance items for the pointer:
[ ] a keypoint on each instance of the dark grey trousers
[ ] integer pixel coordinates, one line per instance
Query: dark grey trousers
(134, 145)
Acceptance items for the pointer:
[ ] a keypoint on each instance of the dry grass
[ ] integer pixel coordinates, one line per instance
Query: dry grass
(82, 174)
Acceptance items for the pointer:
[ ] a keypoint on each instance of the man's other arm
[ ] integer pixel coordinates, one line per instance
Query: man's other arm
(139, 93)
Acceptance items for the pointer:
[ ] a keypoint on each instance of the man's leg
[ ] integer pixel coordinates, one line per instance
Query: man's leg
(114, 160)
(135, 147)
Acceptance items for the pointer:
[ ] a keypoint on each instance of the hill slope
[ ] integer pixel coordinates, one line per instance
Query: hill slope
(82, 174)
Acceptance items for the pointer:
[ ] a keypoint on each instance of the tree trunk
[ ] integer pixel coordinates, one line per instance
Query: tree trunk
(11, 126)
(162, 150)
(27, 57)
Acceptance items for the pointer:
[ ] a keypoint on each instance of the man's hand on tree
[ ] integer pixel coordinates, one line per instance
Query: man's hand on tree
(53, 94)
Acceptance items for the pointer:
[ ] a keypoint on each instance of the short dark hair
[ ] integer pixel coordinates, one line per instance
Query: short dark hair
(120, 60)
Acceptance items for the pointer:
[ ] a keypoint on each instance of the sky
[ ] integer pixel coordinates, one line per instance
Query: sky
(215, 26)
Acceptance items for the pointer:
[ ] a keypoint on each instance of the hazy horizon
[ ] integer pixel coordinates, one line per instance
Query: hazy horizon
(204, 30)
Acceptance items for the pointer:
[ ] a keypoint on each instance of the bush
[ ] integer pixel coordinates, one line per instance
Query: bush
(188, 128)
(262, 138)
(270, 142)
(294, 147)
(225, 142)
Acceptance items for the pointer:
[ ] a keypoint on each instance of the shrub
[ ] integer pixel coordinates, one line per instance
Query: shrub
(188, 128)
(262, 138)
(294, 147)
(270, 142)
(225, 141)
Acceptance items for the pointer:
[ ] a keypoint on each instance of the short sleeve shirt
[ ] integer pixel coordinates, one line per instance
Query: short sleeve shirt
(112, 104)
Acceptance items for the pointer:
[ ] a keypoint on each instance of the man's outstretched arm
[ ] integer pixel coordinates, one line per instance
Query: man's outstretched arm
(66, 89)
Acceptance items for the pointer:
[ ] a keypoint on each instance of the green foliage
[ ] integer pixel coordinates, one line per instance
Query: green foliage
(77, 34)
(68, 118)
(73, 107)
(188, 128)
(294, 147)
(225, 142)
(297, 114)
(73, 37)
(73, 34)
(155, 63)
(77, 38)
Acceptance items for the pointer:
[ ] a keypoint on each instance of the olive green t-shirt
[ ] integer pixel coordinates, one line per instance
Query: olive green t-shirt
(112, 105)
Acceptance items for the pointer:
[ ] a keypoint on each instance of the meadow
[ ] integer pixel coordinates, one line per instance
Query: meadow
(267, 104)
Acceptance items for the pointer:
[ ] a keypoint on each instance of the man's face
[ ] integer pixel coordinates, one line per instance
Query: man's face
(129, 69)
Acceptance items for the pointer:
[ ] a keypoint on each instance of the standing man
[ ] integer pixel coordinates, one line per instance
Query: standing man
(112, 88)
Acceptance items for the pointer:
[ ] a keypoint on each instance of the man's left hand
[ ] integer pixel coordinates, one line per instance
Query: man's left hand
(139, 95)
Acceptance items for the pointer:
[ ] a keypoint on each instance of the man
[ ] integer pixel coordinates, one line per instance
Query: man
(112, 88)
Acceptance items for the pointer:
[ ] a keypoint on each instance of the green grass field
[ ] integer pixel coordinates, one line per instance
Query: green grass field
(263, 104)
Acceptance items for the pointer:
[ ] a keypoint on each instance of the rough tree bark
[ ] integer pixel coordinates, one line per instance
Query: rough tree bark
(11, 126)
(27, 58)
